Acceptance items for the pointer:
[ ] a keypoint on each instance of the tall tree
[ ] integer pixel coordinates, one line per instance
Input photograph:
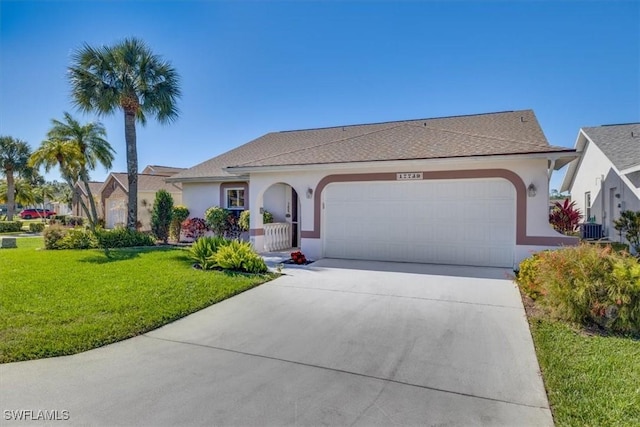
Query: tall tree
(92, 146)
(65, 155)
(14, 155)
(126, 77)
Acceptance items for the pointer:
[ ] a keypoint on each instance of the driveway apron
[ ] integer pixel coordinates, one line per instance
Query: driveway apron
(338, 343)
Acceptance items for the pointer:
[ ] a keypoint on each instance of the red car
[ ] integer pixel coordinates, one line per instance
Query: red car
(36, 213)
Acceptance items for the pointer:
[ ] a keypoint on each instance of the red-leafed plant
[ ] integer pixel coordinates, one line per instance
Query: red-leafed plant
(298, 257)
(194, 228)
(565, 217)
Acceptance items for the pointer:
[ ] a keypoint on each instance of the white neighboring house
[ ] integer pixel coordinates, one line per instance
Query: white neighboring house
(605, 179)
(466, 190)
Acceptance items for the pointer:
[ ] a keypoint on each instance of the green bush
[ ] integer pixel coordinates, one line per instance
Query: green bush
(53, 236)
(527, 277)
(629, 224)
(10, 226)
(78, 238)
(36, 227)
(203, 250)
(122, 238)
(245, 219)
(217, 220)
(180, 213)
(239, 256)
(589, 284)
(161, 215)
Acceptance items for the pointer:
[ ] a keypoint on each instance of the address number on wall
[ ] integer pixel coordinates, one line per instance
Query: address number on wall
(406, 176)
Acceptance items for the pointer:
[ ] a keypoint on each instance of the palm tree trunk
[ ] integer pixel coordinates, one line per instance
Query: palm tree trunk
(82, 203)
(93, 220)
(132, 168)
(11, 194)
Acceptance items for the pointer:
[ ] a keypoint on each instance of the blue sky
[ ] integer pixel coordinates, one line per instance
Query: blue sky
(251, 67)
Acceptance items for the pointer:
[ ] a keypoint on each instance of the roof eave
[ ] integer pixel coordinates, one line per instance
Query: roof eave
(569, 153)
(233, 178)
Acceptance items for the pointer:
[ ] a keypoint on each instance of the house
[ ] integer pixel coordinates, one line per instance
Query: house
(115, 194)
(80, 192)
(605, 179)
(112, 195)
(470, 190)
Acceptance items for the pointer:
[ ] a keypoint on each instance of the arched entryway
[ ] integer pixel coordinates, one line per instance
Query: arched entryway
(282, 202)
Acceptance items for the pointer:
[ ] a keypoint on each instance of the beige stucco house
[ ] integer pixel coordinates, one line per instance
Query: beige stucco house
(469, 190)
(112, 195)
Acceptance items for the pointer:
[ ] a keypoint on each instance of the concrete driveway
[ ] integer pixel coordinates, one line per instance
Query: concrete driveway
(341, 343)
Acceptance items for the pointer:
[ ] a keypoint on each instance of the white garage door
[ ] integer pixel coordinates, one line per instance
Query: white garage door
(466, 222)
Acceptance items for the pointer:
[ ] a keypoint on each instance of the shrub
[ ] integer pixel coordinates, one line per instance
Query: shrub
(239, 256)
(36, 227)
(161, 215)
(74, 221)
(245, 219)
(589, 284)
(629, 223)
(10, 226)
(179, 214)
(217, 220)
(78, 238)
(565, 217)
(53, 236)
(194, 228)
(122, 238)
(203, 250)
(527, 276)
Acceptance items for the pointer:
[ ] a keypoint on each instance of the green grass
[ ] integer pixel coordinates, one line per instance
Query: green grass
(56, 303)
(590, 380)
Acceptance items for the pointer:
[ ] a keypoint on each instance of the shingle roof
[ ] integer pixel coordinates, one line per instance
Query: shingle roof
(147, 182)
(94, 186)
(620, 143)
(512, 132)
(161, 170)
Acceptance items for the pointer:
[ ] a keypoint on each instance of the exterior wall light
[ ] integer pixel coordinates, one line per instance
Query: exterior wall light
(532, 190)
(309, 192)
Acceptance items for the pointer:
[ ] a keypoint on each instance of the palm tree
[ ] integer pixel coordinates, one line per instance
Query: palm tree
(14, 155)
(67, 156)
(129, 77)
(23, 192)
(92, 145)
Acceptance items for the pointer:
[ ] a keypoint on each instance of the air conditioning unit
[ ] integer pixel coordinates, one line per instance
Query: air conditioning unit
(591, 231)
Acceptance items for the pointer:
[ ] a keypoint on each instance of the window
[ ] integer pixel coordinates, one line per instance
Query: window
(587, 206)
(235, 198)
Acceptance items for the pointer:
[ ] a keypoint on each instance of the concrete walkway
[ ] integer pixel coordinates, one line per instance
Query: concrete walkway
(337, 343)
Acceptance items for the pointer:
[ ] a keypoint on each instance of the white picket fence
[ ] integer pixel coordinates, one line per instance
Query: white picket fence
(277, 236)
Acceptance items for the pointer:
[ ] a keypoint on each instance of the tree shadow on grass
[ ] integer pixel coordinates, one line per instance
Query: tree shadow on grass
(122, 254)
(111, 256)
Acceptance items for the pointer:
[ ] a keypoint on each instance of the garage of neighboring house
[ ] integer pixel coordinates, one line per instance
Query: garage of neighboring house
(469, 222)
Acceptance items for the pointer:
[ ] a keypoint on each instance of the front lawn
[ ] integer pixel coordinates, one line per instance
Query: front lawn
(55, 303)
(590, 380)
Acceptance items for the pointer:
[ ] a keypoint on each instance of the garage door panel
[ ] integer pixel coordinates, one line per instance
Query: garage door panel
(469, 222)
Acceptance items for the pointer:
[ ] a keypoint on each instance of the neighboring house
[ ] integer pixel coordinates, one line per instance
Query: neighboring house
(115, 194)
(470, 190)
(80, 192)
(112, 195)
(605, 179)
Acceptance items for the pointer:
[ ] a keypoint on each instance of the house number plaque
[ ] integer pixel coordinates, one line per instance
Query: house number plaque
(406, 176)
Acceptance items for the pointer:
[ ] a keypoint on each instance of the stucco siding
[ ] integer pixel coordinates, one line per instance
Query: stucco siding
(527, 171)
(609, 192)
(198, 197)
